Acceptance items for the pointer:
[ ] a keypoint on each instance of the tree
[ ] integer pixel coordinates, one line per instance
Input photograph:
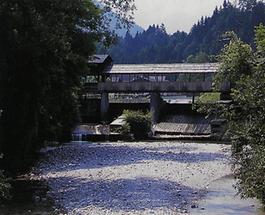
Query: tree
(44, 46)
(152, 46)
(235, 59)
(249, 129)
(260, 40)
(247, 4)
(200, 57)
(225, 4)
(246, 114)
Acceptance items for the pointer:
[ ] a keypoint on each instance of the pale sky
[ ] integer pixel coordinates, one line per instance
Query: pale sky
(175, 14)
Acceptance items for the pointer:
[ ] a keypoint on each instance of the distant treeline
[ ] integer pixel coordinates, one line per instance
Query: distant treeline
(202, 44)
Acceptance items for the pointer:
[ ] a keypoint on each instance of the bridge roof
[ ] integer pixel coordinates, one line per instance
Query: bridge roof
(98, 59)
(162, 68)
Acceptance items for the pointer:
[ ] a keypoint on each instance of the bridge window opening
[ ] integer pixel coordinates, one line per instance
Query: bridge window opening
(126, 78)
(185, 77)
(152, 78)
(161, 78)
(197, 77)
(171, 78)
(209, 76)
(140, 78)
(146, 77)
(116, 78)
(111, 78)
(137, 78)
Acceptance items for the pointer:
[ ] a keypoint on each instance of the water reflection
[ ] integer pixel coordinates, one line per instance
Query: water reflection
(222, 199)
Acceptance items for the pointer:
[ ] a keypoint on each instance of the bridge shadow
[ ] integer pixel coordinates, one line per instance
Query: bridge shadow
(89, 156)
(123, 195)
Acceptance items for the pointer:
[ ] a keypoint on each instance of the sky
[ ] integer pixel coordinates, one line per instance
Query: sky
(175, 14)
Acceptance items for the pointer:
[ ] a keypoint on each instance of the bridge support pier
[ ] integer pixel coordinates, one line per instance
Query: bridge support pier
(155, 107)
(104, 107)
(193, 98)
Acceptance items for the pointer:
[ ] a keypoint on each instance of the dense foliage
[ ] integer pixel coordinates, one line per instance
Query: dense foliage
(4, 187)
(245, 116)
(44, 47)
(138, 124)
(202, 43)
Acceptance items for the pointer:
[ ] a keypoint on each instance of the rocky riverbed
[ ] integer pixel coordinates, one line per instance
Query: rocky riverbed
(132, 178)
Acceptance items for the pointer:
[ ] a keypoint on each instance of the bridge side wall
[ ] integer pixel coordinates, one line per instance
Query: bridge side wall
(160, 87)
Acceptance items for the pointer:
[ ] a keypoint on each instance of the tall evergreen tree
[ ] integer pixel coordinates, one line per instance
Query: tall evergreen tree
(247, 4)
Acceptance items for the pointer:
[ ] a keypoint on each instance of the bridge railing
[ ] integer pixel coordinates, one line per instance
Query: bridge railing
(160, 87)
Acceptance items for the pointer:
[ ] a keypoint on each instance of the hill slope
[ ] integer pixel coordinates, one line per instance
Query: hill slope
(205, 38)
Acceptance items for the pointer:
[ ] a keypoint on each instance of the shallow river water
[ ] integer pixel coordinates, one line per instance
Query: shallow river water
(222, 199)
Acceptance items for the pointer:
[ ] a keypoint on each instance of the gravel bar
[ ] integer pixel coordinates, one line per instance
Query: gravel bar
(127, 178)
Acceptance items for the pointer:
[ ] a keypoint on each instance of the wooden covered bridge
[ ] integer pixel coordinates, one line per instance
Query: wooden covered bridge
(103, 77)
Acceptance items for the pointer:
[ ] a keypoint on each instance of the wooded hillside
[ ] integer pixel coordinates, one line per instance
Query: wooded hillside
(204, 41)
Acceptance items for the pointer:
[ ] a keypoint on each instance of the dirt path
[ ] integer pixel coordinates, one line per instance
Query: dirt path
(132, 178)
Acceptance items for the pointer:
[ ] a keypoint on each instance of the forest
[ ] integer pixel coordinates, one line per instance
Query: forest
(201, 44)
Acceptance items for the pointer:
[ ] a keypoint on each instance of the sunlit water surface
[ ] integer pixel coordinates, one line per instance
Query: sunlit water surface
(222, 199)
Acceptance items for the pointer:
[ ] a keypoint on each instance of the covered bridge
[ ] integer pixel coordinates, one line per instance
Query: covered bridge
(149, 78)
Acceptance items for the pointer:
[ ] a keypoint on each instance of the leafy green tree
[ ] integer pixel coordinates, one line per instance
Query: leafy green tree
(246, 114)
(247, 125)
(236, 60)
(44, 46)
(260, 41)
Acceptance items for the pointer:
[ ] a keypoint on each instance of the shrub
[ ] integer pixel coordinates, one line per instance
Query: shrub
(209, 98)
(4, 187)
(249, 167)
(138, 123)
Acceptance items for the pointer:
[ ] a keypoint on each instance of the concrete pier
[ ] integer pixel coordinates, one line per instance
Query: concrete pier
(155, 107)
(104, 107)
